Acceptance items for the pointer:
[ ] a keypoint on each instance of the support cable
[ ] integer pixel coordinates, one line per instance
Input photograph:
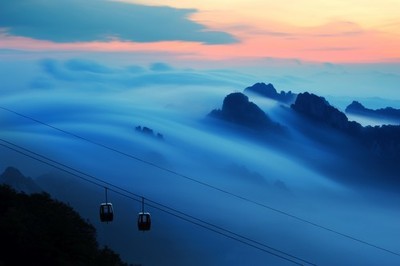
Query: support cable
(158, 206)
(240, 197)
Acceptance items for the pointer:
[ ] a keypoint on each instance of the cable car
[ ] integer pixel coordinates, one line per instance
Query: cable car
(144, 221)
(106, 212)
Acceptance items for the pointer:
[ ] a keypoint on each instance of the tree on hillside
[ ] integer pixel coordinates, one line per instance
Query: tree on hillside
(37, 230)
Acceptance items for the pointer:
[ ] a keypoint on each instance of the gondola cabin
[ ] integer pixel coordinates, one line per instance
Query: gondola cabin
(106, 212)
(144, 221)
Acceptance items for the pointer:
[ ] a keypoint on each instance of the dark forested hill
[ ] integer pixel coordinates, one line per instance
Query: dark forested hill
(37, 230)
(385, 113)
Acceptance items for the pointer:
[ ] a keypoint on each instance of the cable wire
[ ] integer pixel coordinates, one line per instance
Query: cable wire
(298, 218)
(161, 207)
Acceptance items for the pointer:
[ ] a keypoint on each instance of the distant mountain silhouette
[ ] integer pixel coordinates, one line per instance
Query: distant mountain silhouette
(15, 179)
(319, 109)
(269, 91)
(238, 109)
(386, 113)
(383, 141)
(149, 132)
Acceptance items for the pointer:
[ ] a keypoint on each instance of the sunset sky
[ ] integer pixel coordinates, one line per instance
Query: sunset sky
(363, 35)
(327, 31)
(334, 31)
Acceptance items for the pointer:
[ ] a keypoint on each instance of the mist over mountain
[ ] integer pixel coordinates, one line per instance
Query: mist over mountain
(14, 178)
(382, 141)
(387, 113)
(317, 170)
(237, 109)
(377, 146)
(149, 132)
(223, 120)
(269, 91)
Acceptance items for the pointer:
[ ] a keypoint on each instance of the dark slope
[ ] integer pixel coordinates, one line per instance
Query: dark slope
(122, 234)
(44, 231)
(382, 141)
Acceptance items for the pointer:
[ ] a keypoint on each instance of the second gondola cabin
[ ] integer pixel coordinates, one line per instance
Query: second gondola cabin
(106, 212)
(144, 221)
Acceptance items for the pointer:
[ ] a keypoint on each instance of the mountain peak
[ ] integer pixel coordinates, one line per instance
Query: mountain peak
(237, 109)
(12, 172)
(269, 91)
(263, 88)
(319, 109)
(14, 178)
(355, 107)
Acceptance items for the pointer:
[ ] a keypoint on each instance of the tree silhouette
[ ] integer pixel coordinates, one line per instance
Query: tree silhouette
(37, 230)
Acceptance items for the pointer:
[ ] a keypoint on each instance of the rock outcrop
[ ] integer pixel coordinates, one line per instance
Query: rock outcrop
(383, 141)
(317, 108)
(238, 109)
(269, 91)
(149, 132)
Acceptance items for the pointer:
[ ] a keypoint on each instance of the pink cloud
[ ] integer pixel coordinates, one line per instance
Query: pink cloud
(333, 42)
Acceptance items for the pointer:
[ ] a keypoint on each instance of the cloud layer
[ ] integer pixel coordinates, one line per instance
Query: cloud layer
(216, 155)
(98, 20)
(91, 74)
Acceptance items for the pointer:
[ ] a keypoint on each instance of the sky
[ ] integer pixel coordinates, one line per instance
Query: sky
(322, 31)
(339, 48)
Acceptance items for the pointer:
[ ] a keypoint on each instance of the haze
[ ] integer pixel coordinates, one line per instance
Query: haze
(101, 73)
